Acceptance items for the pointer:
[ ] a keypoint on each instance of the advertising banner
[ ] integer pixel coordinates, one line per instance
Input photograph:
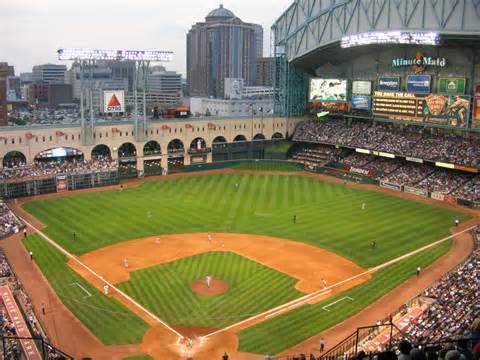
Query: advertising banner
(451, 86)
(418, 83)
(331, 106)
(388, 83)
(328, 90)
(21, 328)
(113, 101)
(415, 191)
(361, 87)
(62, 184)
(358, 170)
(390, 185)
(437, 196)
(361, 102)
(447, 110)
(415, 160)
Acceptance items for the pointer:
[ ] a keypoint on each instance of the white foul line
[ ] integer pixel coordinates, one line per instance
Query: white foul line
(301, 301)
(337, 301)
(99, 277)
(81, 287)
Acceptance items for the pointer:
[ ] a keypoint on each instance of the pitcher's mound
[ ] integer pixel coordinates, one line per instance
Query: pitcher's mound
(217, 287)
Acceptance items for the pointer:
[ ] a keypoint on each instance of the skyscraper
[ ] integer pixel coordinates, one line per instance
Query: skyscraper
(221, 47)
(4, 71)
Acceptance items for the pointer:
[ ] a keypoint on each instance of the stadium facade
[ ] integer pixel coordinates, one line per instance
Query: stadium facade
(425, 52)
(31, 141)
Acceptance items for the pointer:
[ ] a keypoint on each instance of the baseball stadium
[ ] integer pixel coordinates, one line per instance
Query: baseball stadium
(344, 225)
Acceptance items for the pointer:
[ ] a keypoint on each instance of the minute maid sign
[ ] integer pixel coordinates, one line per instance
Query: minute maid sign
(419, 62)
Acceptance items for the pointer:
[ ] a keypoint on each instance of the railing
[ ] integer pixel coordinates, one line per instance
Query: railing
(47, 351)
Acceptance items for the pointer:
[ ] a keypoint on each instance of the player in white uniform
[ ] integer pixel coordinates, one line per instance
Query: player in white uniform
(208, 279)
(125, 263)
(105, 289)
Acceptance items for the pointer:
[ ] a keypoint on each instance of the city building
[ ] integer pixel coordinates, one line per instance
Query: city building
(26, 78)
(265, 71)
(223, 46)
(59, 94)
(164, 87)
(50, 73)
(230, 108)
(38, 93)
(4, 69)
(13, 88)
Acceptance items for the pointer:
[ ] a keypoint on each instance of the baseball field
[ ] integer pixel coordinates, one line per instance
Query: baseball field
(275, 239)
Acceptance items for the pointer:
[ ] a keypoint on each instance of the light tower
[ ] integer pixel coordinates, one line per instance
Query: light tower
(87, 59)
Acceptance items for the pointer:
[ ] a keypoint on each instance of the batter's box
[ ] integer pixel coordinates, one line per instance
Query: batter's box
(325, 308)
(84, 293)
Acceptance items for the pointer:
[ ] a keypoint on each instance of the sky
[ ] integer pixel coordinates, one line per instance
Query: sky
(32, 30)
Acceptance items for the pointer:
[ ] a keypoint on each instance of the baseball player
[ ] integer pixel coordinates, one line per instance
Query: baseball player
(324, 282)
(209, 236)
(125, 263)
(209, 281)
(105, 289)
(364, 206)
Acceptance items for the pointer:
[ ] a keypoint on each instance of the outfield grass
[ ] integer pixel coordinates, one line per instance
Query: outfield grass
(107, 318)
(269, 166)
(254, 288)
(328, 216)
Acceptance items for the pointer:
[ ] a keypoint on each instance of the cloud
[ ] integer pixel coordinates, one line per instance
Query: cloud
(35, 29)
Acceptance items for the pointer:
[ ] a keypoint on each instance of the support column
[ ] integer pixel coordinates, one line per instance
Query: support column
(186, 159)
(140, 164)
(164, 162)
(209, 157)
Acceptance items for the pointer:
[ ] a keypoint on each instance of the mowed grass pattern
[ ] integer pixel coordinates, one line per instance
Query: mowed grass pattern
(328, 215)
(285, 331)
(107, 318)
(165, 289)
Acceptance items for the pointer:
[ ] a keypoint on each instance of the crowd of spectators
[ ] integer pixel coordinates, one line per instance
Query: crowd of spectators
(409, 174)
(53, 167)
(423, 176)
(13, 349)
(9, 222)
(444, 181)
(470, 190)
(413, 141)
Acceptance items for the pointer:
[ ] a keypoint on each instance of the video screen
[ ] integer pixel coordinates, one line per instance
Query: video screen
(328, 90)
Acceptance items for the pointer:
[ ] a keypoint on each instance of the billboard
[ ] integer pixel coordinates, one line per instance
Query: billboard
(434, 109)
(476, 108)
(399, 105)
(388, 83)
(328, 90)
(233, 88)
(451, 86)
(114, 101)
(447, 110)
(362, 87)
(418, 83)
(361, 102)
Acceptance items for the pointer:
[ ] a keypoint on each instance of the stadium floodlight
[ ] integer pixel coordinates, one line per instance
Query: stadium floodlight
(114, 54)
(391, 37)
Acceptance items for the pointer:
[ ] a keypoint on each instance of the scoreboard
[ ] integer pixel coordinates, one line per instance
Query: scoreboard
(399, 105)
